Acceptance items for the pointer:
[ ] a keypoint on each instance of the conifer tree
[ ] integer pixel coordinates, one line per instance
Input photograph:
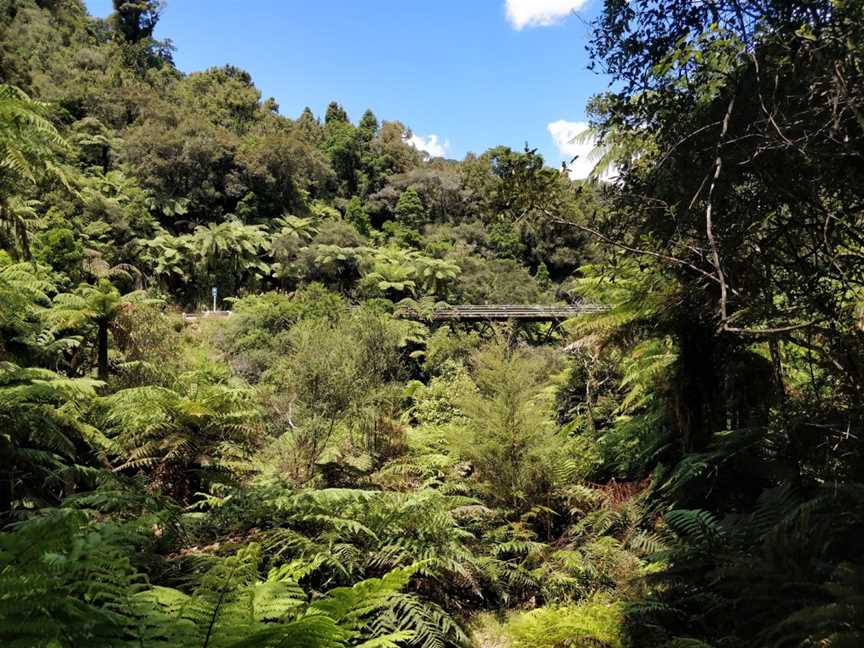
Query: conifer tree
(335, 113)
(410, 210)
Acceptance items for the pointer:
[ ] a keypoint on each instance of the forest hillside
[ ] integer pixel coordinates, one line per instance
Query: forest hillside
(334, 465)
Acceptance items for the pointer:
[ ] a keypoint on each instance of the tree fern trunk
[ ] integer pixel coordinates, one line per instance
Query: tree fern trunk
(102, 351)
(7, 477)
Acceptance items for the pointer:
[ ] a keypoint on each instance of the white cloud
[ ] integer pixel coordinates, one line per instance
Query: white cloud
(429, 144)
(540, 13)
(565, 135)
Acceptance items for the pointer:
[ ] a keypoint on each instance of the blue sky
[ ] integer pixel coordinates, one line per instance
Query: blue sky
(464, 75)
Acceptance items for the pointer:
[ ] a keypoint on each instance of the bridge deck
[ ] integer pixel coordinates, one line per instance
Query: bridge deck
(473, 312)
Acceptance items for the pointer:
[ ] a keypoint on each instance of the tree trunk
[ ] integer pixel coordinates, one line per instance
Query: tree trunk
(699, 397)
(102, 351)
(7, 478)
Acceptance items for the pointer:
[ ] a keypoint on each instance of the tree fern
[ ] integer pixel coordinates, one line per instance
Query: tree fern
(197, 432)
(29, 147)
(339, 536)
(61, 585)
(43, 435)
(67, 580)
(24, 290)
(634, 294)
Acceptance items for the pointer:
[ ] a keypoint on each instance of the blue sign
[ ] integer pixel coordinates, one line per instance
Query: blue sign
(213, 290)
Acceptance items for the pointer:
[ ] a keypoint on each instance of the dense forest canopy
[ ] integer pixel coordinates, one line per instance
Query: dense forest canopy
(332, 466)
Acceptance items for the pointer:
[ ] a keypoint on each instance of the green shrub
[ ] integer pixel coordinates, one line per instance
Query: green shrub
(256, 332)
(511, 439)
(437, 402)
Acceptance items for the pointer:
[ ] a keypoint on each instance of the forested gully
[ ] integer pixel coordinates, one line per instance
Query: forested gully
(333, 465)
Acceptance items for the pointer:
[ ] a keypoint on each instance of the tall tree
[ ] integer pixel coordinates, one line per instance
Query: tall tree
(368, 126)
(135, 20)
(343, 146)
(335, 114)
(309, 127)
(410, 209)
(737, 135)
(731, 177)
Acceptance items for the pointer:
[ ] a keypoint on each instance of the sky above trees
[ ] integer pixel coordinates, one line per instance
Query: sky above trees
(464, 76)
